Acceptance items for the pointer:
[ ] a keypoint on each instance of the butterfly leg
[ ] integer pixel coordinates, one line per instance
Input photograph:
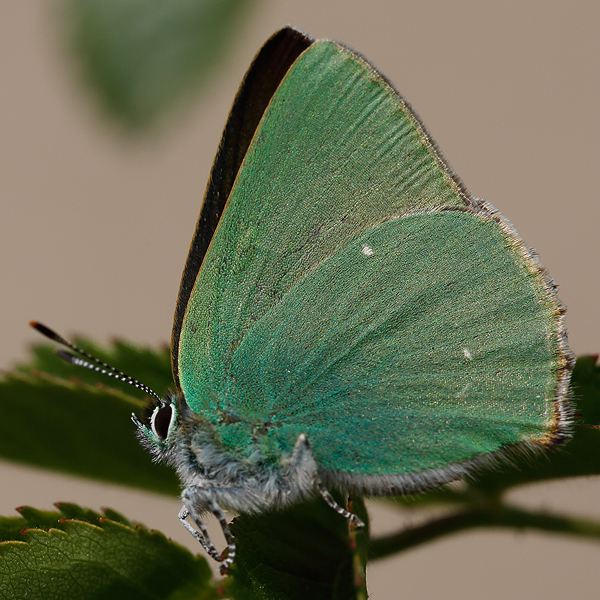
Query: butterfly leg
(218, 512)
(304, 472)
(333, 504)
(202, 535)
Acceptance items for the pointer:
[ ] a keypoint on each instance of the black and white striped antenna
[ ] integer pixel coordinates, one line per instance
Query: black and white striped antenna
(95, 365)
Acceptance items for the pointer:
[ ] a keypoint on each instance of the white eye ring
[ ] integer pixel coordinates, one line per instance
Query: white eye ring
(162, 420)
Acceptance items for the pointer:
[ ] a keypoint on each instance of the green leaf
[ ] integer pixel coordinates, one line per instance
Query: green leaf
(70, 425)
(94, 557)
(142, 56)
(11, 528)
(303, 552)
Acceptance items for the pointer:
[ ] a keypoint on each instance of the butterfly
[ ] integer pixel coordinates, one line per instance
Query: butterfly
(350, 317)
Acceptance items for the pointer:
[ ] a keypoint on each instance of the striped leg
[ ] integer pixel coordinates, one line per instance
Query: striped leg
(342, 511)
(220, 514)
(202, 535)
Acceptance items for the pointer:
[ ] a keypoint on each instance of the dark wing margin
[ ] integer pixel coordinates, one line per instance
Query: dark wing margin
(263, 77)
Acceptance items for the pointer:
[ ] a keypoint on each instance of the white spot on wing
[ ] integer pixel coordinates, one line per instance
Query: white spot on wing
(467, 354)
(367, 250)
(463, 392)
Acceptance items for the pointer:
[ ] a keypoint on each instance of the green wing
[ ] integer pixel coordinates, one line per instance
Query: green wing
(353, 291)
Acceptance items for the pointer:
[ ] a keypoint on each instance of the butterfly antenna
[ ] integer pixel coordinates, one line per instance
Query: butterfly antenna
(95, 365)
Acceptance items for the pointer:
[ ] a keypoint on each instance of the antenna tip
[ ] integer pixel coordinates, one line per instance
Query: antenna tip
(45, 331)
(42, 328)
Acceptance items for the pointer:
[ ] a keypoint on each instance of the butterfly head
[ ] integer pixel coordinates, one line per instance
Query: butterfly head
(157, 431)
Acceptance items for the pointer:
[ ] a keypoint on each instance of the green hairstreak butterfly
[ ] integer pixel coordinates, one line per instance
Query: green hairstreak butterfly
(349, 316)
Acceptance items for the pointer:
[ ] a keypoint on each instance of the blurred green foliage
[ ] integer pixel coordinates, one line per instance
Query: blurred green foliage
(142, 58)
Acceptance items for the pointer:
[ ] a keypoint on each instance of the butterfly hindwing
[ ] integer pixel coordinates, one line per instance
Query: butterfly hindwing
(423, 342)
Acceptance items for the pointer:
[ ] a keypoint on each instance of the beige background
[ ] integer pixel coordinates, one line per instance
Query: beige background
(95, 228)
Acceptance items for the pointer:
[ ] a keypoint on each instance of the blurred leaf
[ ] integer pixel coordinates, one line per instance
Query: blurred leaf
(586, 390)
(142, 56)
(72, 426)
(302, 552)
(94, 557)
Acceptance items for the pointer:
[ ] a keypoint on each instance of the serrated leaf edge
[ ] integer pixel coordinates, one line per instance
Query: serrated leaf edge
(74, 384)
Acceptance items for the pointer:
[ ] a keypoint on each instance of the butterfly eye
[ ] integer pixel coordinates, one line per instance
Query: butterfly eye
(161, 421)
